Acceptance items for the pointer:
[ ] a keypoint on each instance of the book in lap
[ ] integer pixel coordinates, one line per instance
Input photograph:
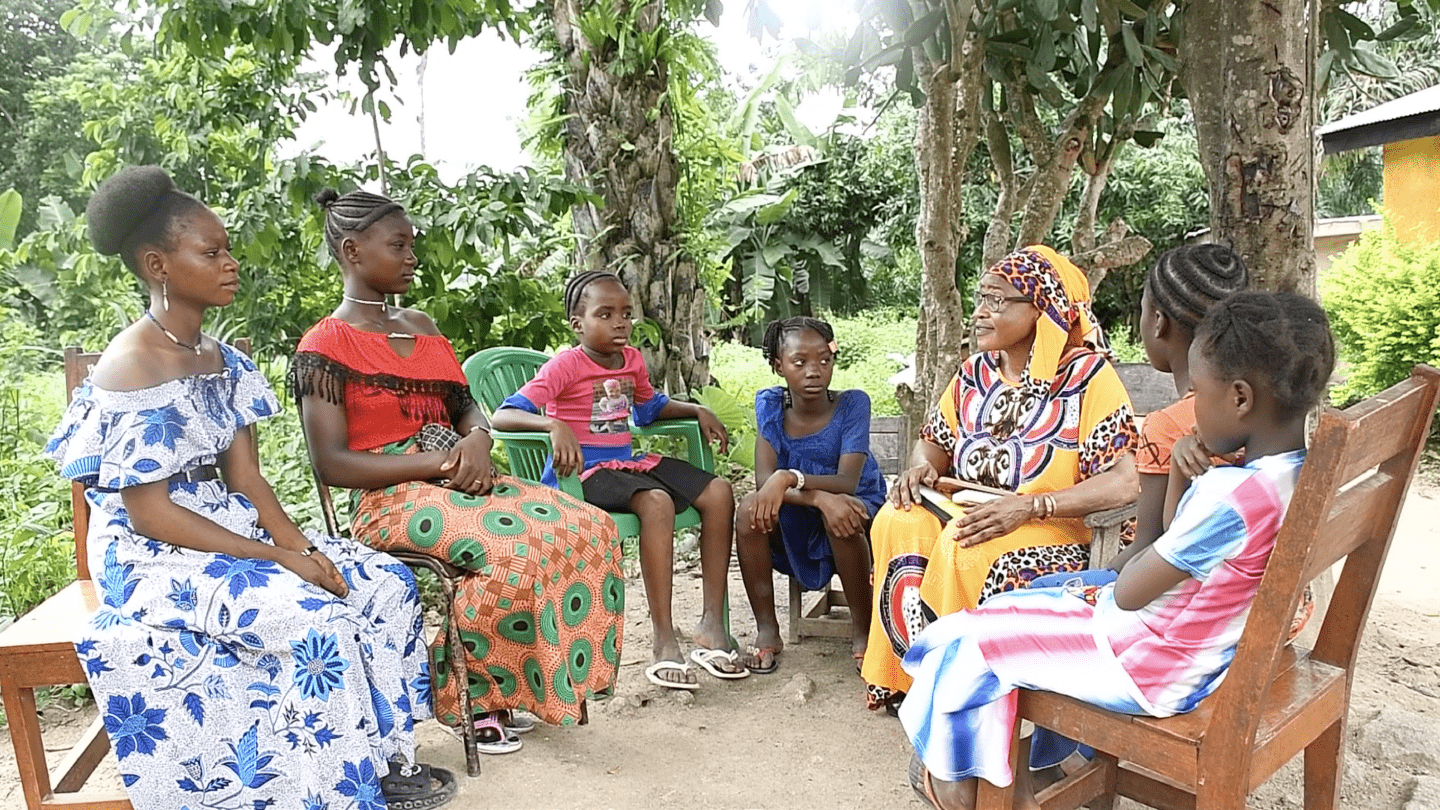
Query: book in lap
(949, 497)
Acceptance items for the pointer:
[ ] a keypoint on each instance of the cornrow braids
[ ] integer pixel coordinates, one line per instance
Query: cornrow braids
(775, 334)
(1187, 280)
(575, 289)
(352, 213)
(135, 207)
(1281, 340)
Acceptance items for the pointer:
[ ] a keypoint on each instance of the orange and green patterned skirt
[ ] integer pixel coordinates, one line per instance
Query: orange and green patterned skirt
(542, 607)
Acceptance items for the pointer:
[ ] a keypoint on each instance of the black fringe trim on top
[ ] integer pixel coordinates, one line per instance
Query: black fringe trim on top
(312, 373)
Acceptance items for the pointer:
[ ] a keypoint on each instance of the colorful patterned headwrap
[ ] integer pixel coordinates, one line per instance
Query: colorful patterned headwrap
(1062, 294)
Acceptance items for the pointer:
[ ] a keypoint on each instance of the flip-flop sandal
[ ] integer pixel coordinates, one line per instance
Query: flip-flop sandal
(417, 787)
(720, 663)
(920, 782)
(759, 654)
(652, 674)
(517, 721)
(859, 661)
(493, 738)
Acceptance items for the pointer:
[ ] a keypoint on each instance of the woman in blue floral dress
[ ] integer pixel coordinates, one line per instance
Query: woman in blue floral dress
(237, 662)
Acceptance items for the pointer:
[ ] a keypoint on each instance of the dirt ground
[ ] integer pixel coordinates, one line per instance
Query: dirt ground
(751, 744)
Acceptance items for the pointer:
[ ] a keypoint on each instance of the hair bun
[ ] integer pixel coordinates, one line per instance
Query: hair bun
(327, 198)
(122, 202)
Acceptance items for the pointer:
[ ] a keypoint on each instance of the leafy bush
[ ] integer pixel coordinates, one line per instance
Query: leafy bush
(866, 342)
(1383, 299)
(37, 557)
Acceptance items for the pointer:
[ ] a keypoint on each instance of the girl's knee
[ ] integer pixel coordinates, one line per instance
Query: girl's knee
(718, 494)
(745, 510)
(652, 504)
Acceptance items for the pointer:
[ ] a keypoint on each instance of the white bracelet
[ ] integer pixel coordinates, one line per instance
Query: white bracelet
(799, 479)
(474, 428)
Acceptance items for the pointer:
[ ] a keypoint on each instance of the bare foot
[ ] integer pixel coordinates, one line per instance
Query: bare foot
(763, 657)
(711, 635)
(677, 675)
(857, 650)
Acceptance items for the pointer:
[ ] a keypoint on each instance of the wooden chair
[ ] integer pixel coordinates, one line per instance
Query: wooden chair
(1277, 699)
(38, 651)
(498, 372)
(447, 575)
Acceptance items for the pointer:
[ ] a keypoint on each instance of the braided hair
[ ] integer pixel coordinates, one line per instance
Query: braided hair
(1187, 280)
(136, 207)
(1280, 339)
(775, 334)
(575, 289)
(352, 213)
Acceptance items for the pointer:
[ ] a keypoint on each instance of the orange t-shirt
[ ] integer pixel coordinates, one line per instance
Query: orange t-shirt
(1159, 432)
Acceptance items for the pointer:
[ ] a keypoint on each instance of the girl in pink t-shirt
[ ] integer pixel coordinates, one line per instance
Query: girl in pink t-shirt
(585, 397)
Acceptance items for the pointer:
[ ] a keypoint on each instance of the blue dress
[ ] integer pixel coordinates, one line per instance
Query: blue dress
(804, 551)
(231, 682)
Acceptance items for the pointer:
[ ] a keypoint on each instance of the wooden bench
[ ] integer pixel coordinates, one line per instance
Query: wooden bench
(1277, 699)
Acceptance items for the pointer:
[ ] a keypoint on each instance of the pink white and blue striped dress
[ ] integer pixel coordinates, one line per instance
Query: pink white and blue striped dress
(1159, 660)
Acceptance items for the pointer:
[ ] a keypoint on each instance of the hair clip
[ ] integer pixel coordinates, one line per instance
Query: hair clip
(834, 347)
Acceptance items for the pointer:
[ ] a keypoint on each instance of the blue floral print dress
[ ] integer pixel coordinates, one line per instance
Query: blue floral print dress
(231, 682)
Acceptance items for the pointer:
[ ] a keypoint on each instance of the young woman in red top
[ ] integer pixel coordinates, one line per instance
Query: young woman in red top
(389, 415)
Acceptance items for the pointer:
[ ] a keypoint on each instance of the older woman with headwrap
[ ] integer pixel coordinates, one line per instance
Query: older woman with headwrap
(1035, 412)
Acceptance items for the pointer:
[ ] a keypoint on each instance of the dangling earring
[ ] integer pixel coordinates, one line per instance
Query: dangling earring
(165, 294)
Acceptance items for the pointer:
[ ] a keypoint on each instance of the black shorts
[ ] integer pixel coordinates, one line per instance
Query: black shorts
(612, 490)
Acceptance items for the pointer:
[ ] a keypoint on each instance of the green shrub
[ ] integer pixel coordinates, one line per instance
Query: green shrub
(37, 553)
(866, 342)
(1383, 299)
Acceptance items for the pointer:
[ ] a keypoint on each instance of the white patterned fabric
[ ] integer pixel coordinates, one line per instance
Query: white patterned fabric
(231, 682)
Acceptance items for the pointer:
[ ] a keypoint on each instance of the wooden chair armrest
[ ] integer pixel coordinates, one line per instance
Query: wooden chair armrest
(1110, 517)
(700, 453)
(570, 484)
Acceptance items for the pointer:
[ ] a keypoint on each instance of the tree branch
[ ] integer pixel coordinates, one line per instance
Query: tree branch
(997, 233)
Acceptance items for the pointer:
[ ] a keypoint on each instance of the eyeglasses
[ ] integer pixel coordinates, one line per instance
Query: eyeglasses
(995, 303)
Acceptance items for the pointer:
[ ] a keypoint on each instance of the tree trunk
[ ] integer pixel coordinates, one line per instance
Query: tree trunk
(946, 133)
(618, 142)
(1248, 69)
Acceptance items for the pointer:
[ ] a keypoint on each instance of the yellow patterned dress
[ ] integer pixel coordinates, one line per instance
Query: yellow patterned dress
(1067, 419)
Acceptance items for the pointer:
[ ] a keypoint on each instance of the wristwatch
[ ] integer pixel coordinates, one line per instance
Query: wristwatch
(799, 479)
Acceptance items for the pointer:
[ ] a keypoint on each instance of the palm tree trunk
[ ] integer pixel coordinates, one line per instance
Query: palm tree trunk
(618, 142)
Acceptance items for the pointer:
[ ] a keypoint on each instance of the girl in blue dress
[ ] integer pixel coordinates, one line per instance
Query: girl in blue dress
(816, 487)
(237, 661)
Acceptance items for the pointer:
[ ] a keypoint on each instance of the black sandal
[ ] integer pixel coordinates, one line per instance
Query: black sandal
(417, 787)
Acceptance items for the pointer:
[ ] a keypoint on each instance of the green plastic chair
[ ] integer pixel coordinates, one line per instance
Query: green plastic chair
(498, 372)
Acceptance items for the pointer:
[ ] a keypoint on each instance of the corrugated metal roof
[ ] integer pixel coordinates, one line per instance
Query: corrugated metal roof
(1417, 103)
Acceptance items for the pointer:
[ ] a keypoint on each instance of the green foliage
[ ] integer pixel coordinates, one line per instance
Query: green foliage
(1383, 299)
(1160, 191)
(359, 31)
(214, 124)
(773, 261)
(10, 207)
(870, 343)
(1349, 183)
(738, 417)
(491, 266)
(33, 47)
(37, 557)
